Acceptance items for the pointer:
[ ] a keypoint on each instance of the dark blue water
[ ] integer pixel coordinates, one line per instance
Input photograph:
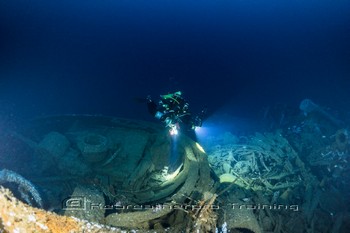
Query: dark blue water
(236, 57)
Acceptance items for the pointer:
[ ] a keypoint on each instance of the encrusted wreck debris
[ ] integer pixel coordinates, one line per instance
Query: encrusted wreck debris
(294, 180)
(115, 172)
(265, 162)
(16, 216)
(101, 174)
(25, 187)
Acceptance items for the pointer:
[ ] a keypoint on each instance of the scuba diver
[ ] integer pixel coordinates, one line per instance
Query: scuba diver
(173, 110)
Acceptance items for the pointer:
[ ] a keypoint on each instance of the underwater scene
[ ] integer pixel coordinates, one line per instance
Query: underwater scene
(175, 116)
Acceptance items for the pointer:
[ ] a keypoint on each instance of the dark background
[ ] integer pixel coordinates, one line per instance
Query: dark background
(235, 57)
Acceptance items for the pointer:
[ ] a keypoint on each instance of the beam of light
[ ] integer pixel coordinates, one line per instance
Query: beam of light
(203, 134)
(200, 147)
(217, 125)
(171, 176)
(175, 158)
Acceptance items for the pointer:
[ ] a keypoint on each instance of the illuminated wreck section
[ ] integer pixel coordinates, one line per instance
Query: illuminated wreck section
(88, 173)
